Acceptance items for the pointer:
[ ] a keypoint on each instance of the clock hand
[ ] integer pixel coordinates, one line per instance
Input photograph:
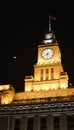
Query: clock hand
(47, 53)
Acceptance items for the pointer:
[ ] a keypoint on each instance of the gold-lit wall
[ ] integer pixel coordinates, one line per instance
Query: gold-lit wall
(44, 94)
(57, 69)
(44, 81)
(7, 93)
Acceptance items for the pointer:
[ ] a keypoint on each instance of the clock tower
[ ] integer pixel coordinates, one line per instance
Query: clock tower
(48, 71)
(48, 51)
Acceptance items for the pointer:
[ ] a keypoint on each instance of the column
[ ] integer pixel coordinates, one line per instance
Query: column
(36, 125)
(49, 122)
(63, 122)
(10, 123)
(23, 123)
(3, 122)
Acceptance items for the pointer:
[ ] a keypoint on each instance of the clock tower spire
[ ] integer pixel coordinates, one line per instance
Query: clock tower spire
(49, 36)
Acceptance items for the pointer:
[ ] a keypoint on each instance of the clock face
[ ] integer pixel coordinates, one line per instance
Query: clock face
(47, 53)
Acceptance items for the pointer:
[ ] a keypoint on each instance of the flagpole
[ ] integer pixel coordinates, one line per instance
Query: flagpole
(49, 24)
(51, 18)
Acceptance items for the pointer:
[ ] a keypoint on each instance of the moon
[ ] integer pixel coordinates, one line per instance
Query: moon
(14, 57)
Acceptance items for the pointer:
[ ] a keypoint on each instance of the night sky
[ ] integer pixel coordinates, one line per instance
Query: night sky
(22, 27)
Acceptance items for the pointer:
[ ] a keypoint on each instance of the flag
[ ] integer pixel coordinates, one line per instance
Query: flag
(52, 17)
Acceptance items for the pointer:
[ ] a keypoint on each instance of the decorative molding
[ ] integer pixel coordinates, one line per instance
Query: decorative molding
(33, 108)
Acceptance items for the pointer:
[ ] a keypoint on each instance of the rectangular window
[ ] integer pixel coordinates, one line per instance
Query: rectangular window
(30, 123)
(43, 123)
(47, 74)
(52, 73)
(17, 124)
(41, 74)
(56, 123)
(70, 120)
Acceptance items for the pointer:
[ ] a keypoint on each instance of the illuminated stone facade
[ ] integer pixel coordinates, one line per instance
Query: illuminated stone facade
(52, 75)
(49, 76)
(50, 81)
(47, 102)
(7, 93)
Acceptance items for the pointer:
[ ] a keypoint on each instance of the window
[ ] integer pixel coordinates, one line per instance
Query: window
(17, 124)
(70, 120)
(47, 74)
(56, 123)
(52, 73)
(30, 123)
(43, 123)
(41, 74)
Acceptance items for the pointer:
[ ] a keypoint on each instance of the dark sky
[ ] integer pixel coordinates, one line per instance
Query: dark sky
(22, 26)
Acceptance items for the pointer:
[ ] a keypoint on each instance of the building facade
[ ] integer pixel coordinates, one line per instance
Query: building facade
(47, 102)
